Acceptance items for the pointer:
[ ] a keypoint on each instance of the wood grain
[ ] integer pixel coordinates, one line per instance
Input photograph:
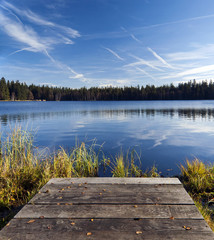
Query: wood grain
(110, 211)
(111, 180)
(154, 229)
(112, 198)
(109, 208)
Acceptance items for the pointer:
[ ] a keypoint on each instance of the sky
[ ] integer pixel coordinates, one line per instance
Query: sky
(76, 43)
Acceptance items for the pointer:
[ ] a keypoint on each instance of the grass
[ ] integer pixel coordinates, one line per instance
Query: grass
(198, 179)
(125, 166)
(20, 171)
(23, 170)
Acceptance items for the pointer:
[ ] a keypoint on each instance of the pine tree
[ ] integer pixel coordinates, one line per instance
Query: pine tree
(4, 91)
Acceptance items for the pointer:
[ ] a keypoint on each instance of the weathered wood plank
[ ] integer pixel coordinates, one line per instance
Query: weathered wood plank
(109, 211)
(163, 209)
(155, 229)
(108, 197)
(111, 180)
(107, 235)
(97, 188)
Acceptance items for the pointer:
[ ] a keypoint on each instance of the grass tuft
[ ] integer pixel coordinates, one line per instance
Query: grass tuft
(198, 179)
(128, 167)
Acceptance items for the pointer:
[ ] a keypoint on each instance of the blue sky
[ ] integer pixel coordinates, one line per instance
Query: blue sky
(76, 43)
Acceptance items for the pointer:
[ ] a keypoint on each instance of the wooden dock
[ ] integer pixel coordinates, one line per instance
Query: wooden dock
(109, 208)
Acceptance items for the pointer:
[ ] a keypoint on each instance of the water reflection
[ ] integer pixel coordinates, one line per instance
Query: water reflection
(164, 133)
(189, 113)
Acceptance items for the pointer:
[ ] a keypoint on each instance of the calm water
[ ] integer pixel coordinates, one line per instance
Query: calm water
(165, 133)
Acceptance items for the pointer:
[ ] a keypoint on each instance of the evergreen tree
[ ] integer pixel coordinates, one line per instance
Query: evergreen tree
(4, 90)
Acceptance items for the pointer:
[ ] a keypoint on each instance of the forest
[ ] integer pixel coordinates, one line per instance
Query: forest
(15, 90)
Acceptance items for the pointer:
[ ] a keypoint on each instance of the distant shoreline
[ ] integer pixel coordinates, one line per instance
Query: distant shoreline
(24, 100)
(179, 100)
(16, 91)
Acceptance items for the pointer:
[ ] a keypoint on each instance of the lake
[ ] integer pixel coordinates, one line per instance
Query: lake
(164, 133)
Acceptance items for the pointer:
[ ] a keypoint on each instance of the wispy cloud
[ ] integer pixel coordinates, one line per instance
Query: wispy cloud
(114, 53)
(138, 30)
(22, 49)
(36, 19)
(160, 58)
(174, 22)
(141, 61)
(31, 40)
(159, 141)
(7, 9)
(115, 83)
(193, 64)
(196, 53)
(144, 72)
(196, 70)
(22, 34)
(26, 35)
(136, 39)
(191, 72)
(128, 66)
(48, 84)
(76, 75)
(131, 35)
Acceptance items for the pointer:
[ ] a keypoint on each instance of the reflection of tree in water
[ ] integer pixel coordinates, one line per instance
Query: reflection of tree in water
(189, 113)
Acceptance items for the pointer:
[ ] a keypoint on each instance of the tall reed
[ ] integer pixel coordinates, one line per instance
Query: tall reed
(20, 171)
(23, 171)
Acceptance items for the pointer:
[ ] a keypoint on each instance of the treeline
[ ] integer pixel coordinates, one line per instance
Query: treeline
(10, 90)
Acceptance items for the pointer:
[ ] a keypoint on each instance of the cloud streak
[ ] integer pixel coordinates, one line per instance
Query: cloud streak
(174, 22)
(13, 26)
(203, 69)
(22, 34)
(136, 30)
(134, 38)
(141, 61)
(192, 72)
(160, 58)
(131, 35)
(32, 41)
(198, 53)
(133, 65)
(114, 53)
(143, 71)
(36, 19)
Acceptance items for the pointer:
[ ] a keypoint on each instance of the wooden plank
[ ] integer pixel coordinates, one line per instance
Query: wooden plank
(107, 235)
(185, 211)
(155, 229)
(163, 209)
(97, 188)
(109, 211)
(108, 197)
(111, 180)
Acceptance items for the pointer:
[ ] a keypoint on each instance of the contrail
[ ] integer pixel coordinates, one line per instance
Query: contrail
(114, 53)
(5, 8)
(160, 58)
